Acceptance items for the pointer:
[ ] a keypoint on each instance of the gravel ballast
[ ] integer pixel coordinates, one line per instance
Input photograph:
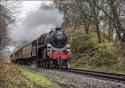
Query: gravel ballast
(70, 80)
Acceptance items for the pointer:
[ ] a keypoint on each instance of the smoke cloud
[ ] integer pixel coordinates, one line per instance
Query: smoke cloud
(36, 23)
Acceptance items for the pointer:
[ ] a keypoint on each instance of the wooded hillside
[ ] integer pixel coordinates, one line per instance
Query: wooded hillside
(96, 31)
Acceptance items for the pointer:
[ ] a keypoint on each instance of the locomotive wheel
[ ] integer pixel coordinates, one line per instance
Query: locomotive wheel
(45, 64)
(45, 58)
(66, 64)
(50, 64)
(39, 64)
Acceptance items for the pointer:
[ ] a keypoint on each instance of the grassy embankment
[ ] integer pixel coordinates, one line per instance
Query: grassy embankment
(41, 81)
(105, 56)
(12, 76)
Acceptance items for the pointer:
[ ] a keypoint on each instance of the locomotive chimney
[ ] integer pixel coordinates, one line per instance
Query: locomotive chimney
(58, 28)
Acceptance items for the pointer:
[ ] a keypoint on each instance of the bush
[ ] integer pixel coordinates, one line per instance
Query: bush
(103, 55)
(81, 43)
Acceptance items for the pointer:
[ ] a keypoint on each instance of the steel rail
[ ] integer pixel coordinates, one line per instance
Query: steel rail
(119, 77)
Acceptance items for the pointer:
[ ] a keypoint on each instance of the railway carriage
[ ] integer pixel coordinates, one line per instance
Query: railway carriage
(27, 54)
(27, 51)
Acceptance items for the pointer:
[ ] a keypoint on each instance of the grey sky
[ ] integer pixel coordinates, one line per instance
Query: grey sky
(33, 22)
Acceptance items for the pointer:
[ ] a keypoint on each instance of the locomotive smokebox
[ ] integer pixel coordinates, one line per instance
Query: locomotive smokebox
(58, 39)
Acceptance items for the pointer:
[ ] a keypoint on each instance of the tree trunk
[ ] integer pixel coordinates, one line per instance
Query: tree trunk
(110, 30)
(118, 26)
(96, 22)
(86, 28)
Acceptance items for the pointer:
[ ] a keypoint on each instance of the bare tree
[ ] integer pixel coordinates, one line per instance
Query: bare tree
(97, 13)
(6, 18)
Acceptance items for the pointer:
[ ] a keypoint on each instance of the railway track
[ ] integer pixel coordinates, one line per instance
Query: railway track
(95, 74)
(104, 75)
(75, 78)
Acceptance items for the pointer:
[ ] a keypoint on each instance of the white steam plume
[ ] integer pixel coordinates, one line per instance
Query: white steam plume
(36, 23)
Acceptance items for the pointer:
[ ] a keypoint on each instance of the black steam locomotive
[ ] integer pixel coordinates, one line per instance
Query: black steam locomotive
(49, 50)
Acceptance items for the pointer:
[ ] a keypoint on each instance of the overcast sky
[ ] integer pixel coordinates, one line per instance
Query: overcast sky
(33, 22)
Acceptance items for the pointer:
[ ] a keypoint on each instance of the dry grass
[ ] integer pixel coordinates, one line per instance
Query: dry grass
(5, 59)
(11, 78)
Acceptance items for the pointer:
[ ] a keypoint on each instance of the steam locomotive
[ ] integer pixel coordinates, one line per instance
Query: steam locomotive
(49, 50)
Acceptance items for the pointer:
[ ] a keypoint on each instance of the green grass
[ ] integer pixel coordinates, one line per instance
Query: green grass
(40, 80)
(118, 68)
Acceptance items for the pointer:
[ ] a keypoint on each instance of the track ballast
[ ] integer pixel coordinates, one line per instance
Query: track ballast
(105, 75)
